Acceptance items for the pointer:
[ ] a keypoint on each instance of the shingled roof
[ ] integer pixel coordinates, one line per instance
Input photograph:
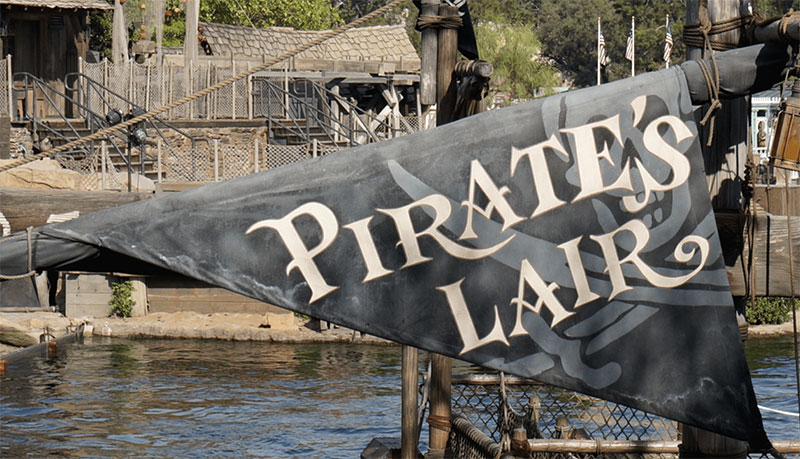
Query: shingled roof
(80, 4)
(374, 43)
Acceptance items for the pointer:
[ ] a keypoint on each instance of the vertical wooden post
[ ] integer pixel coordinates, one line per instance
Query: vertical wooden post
(190, 88)
(408, 437)
(158, 162)
(724, 161)
(255, 154)
(335, 112)
(439, 417)
(233, 90)
(441, 366)
(209, 97)
(10, 79)
(427, 75)
(216, 160)
(446, 90)
(103, 156)
(249, 94)
(147, 87)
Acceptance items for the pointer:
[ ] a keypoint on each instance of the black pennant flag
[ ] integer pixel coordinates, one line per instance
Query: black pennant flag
(569, 239)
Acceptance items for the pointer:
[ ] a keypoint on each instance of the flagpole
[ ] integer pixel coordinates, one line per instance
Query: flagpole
(633, 48)
(665, 55)
(598, 50)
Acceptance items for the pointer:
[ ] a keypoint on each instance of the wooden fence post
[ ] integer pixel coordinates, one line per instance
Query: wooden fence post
(408, 437)
(10, 77)
(158, 161)
(103, 159)
(216, 160)
(255, 154)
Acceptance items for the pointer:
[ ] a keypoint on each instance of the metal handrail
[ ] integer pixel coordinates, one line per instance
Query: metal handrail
(331, 126)
(34, 85)
(85, 88)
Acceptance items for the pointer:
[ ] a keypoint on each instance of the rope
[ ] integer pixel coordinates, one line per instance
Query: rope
(773, 410)
(31, 272)
(441, 22)
(783, 25)
(698, 35)
(439, 422)
(791, 289)
(203, 92)
(712, 85)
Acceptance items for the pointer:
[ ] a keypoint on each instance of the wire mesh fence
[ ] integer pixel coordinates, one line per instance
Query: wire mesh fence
(490, 407)
(479, 400)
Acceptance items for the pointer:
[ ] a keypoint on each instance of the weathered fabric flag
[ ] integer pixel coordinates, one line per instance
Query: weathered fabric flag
(570, 240)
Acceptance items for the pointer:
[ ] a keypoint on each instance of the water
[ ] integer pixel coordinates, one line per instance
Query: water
(174, 398)
(771, 362)
(182, 398)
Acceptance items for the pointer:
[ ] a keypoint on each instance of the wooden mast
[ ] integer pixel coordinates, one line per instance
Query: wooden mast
(724, 164)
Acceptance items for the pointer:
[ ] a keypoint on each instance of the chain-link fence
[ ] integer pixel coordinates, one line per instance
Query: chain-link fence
(487, 408)
(150, 86)
(480, 400)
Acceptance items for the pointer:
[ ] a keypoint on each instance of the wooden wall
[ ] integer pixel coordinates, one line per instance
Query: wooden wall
(178, 293)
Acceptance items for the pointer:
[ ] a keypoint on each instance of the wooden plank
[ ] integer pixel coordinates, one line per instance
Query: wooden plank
(772, 199)
(772, 277)
(25, 207)
(177, 186)
(179, 293)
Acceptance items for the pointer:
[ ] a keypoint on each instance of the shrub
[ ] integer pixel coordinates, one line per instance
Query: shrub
(770, 310)
(121, 301)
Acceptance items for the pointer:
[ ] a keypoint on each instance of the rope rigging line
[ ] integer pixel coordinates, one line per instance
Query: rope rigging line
(157, 111)
(29, 236)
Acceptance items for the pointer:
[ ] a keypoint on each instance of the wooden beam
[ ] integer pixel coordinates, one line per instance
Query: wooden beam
(428, 55)
(445, 82)
(24, 207)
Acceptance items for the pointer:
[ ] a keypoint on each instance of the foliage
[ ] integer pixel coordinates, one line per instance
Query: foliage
(300, 14)
(568, 32)
(770, 310)
(100, 23)
(405, 13)
(122, 301)
(512, 50)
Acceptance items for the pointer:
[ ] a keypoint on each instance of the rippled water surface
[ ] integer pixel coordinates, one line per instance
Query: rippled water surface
(176, 398)
(772, 368)
(183, 398)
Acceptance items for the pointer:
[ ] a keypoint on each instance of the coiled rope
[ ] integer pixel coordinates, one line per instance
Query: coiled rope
(156, 111)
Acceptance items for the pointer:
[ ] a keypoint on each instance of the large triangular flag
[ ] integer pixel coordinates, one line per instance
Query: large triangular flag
(570, 239)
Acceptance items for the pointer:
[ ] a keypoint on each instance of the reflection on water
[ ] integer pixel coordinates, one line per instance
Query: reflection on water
(175, 398)
(169, 398)
(771, 362)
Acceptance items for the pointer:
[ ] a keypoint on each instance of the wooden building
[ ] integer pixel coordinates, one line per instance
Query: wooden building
(45, 38)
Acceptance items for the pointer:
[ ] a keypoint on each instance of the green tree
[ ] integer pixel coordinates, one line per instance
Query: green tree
(504, 31)
(405, 13)
(300, 14)
(513, 49)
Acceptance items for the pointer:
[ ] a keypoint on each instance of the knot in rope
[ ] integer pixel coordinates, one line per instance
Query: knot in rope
(712, 86)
